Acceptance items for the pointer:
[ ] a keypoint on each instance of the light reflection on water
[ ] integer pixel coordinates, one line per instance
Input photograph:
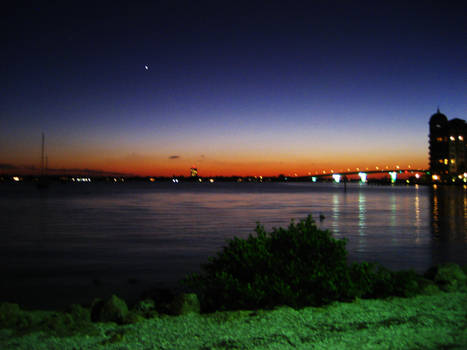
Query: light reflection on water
(70, 235)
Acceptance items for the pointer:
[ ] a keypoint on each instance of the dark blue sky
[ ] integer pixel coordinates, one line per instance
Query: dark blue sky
(232, 87)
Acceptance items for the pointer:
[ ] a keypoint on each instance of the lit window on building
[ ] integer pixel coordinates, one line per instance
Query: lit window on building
(461, 138)
(452, 138)
(441, 161)
(453, 161)
(439, 139)
(446, 161)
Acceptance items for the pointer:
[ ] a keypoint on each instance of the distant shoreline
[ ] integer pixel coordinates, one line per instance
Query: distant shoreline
(378, 179)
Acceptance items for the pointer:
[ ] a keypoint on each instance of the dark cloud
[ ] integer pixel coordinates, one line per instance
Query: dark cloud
(174, 157)
(56, 171)
(7, 166)
(94, 172)
(30, 167)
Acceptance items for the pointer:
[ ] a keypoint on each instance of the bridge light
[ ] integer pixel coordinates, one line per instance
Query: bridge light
(362, 177)
(435, 177)
(337, 178)
(417, 176)
(313, 179)
(393, 175)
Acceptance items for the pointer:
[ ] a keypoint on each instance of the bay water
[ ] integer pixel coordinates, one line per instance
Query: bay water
(73, 242)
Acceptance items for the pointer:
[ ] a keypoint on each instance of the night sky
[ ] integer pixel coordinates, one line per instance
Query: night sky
(232, 87)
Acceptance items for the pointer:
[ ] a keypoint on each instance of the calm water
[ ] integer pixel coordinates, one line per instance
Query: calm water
(71, 243)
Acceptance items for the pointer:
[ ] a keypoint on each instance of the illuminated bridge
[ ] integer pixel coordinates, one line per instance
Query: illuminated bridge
(363, 174)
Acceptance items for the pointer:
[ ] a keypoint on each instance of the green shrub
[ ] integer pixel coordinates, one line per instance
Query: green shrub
(371, 280)
(298, 266)
(406, 283)
(10, 315)
(449, 277)
(362, 279)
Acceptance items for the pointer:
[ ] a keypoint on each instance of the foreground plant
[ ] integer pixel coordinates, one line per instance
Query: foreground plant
(298, 266)
(303, 265)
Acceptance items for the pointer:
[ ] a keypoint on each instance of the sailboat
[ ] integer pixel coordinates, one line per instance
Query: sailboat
(43, 181)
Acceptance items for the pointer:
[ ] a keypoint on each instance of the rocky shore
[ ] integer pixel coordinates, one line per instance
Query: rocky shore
(437, 321)
(434, 319)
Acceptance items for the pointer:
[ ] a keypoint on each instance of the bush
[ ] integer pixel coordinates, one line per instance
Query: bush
(298, 266)
(370, 280)
(406, 283)
(362, 279)
(449, 277)
(10, 314)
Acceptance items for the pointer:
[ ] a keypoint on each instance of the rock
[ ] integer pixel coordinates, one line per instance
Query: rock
(163, 298)
(449, 277)
(10, 314)
(96, 307)
(145, 305)
(430, 289)
(145, 308)
(60, 323)
(113, 309)
(185, 303)
(427, 286)
(80, 314)
(114, 336)
(133, 317)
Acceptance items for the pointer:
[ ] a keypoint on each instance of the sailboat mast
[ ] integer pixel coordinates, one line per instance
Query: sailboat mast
(42, 155)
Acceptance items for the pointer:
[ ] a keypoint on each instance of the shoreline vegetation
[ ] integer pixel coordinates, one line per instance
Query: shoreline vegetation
(289, 288)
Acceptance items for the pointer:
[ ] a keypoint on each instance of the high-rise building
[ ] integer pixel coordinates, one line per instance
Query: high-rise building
(194, 172)
(448, 147)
